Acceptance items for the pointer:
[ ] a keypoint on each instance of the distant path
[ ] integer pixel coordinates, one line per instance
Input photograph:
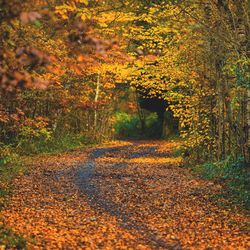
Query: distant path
(124, 196)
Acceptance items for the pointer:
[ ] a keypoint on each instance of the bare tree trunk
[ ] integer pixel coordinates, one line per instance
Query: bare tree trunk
(96, 99)
(140, 113)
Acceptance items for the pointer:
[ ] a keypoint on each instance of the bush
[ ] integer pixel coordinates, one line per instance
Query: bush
(127, 126)
(33, 134)
(7, 154)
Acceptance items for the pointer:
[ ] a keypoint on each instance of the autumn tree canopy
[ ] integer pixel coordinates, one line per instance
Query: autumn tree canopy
(66, 65)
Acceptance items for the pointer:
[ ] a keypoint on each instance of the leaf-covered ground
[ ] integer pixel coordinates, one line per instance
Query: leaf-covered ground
(134, 195)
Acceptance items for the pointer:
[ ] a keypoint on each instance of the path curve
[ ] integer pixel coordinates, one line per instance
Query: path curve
(132, 195)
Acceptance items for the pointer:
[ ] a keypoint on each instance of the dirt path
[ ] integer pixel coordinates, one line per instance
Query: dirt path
(123, 196)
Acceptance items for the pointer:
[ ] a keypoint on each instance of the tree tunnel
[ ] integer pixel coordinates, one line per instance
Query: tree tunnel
(168, 124)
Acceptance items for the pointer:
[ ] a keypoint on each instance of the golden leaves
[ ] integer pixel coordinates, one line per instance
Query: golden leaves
(147, 160)
(85, 2)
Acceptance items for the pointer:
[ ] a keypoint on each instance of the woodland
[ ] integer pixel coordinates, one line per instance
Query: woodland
(168, 80)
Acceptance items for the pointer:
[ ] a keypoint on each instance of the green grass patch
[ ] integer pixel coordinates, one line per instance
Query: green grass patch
(9, 168)
(233, 175)
(58, 144)
(178, 152)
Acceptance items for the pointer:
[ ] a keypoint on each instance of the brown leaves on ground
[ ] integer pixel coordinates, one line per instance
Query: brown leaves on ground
(123, 196)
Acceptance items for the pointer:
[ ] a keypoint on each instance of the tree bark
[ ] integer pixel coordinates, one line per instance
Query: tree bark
(96, 99)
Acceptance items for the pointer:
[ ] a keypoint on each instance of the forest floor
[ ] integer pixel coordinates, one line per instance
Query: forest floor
(129, 195)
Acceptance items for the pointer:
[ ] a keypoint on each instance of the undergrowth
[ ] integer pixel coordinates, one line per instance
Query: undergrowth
(234, 175)
(56, 144)
(130, 126)
(10, 240)
(9, 168)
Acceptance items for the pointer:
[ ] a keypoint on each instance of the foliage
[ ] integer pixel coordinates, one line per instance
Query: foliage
(130, 126)
(7, 154)
(76, 56)
(33, 134)
(61, 144)
(66, 66)
(174, 47)
(126, 125)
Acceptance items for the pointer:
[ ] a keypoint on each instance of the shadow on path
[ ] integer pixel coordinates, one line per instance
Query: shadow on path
(87, 173)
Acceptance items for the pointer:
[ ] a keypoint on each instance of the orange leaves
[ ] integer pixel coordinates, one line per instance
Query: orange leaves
(178, 161)
(73, 6)
(119, 203)
(86, 2)
(77, 69)
(4, 117)
(38, 123)
(10, 81)
(64, 10)
(15, 117)
(81, 58)
(56, 70)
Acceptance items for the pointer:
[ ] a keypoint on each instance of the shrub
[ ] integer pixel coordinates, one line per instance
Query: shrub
(33, 134)
(129, 126)
(6, 154)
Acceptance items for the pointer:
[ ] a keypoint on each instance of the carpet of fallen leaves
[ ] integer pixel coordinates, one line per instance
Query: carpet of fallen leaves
(133, 195)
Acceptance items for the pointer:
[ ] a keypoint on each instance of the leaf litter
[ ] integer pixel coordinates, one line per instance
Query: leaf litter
(131, 195)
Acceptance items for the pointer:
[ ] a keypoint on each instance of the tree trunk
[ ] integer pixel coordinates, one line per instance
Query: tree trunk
(96, 99)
